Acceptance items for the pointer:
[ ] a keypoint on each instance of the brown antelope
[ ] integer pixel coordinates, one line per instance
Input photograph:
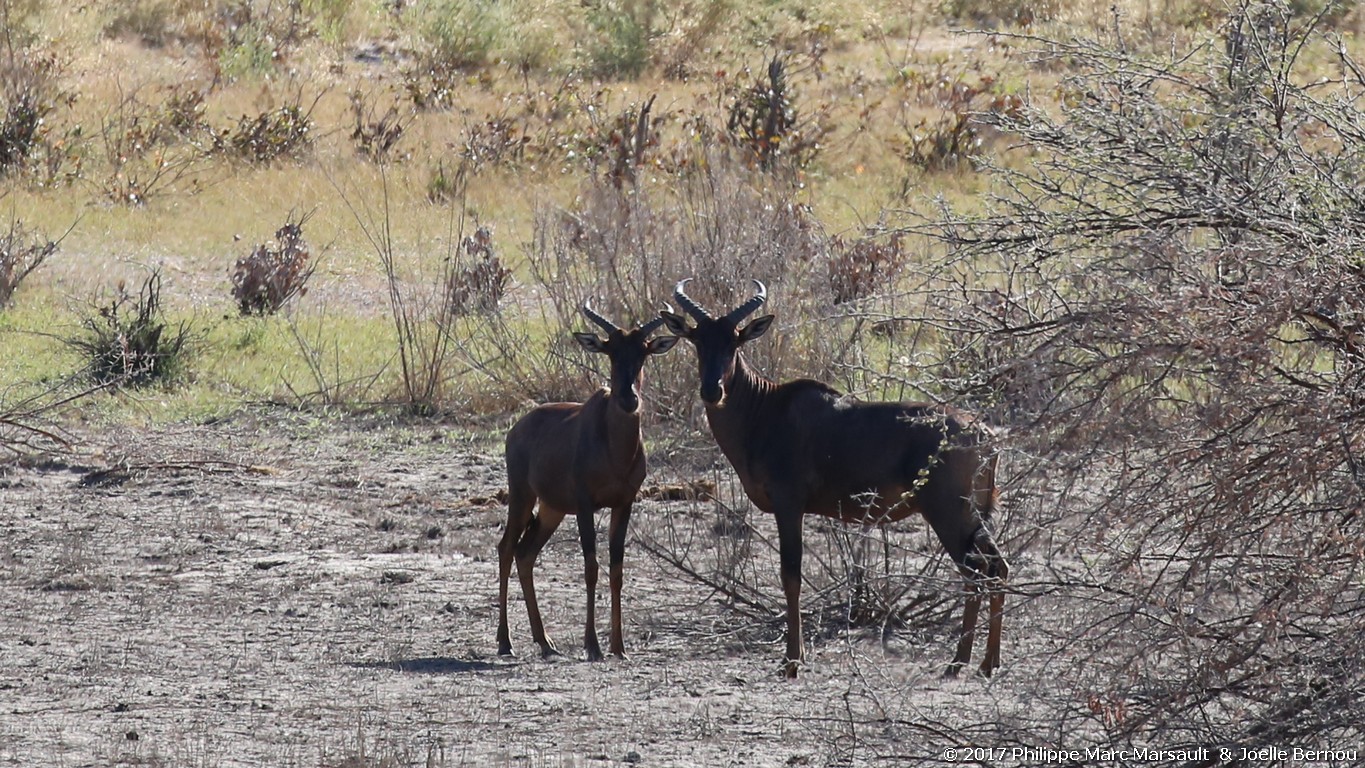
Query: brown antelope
(576, 458)
(803, 448)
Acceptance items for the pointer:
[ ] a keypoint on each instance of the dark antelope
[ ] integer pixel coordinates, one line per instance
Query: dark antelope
(803, 448)
(577, 458)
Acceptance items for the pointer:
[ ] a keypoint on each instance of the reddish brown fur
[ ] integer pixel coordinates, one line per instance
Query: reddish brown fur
(576, 458)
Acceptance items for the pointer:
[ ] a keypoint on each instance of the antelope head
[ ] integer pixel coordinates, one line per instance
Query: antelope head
(717, 339)
(627, 351)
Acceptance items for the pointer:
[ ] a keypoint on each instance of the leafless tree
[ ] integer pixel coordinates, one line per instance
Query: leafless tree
(1167, 305)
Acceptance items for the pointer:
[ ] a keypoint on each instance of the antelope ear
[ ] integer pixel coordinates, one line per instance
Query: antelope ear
(675, 323)
(660, 345)
(755, 329)
(590, 342)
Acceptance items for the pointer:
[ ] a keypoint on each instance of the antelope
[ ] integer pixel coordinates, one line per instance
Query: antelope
(802, 448)
(576, 458)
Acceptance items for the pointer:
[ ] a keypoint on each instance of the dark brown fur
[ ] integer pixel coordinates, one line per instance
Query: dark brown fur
(802, 448)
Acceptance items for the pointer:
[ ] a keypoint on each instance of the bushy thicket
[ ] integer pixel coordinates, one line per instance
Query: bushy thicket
(1167, 306)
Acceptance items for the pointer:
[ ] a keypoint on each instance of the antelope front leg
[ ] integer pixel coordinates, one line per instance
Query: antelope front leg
(587, 532)
(789, 551)
(616, 546)
(964, 642)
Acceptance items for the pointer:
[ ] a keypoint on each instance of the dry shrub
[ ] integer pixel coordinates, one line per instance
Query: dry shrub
(625, 249)
(766, 120)
(274, 272)
(495, 141)
(153, 148)
(21, 252)
(478, 285)
(954, 133)
(690, 34)
(30, 95)
(995, 13)
(375, 134)
(632, 133)
(128, 341)
(285, 132)
(1176, 306)
(432, 87)
(859, 269)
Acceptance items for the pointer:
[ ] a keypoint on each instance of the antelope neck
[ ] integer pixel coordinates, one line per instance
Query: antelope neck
(733, 421)
(622, 430)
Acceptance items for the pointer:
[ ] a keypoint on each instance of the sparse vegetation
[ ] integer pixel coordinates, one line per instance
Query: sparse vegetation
(1126, 233)
(376, 134)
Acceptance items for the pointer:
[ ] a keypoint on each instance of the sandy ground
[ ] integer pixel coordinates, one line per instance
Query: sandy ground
(275, 590)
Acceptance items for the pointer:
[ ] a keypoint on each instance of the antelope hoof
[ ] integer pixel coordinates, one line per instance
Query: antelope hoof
(953, 669)
(790, 669)
(505, 649)
(987, 668)
(548, 650)
(594, 653)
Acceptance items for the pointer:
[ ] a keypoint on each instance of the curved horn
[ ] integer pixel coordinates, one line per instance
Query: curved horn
(748, 307)
(651, 326)
(606, 324)
(693, 308)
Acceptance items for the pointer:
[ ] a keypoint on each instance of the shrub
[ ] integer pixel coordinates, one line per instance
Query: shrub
(691, 35)
(284, 132)
(149, 147)
(375, 137)
(21, 252)
(994, 13)
(328, 17)
(128, 340)
(632, 133)
(860, 268)
(158, 22)
(274, 272)
(432, 86)
(462, 33)
(445, 185)
(622, 31)
(29, 94)
(1178, 274)
(952, 138)
(765, 120)
(253, 39)
(624, 249)
(478, 285)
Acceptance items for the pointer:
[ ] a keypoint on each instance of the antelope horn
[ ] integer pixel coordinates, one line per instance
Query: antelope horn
(606, 324)
(693, 308)
(748, 307)
(651, 326)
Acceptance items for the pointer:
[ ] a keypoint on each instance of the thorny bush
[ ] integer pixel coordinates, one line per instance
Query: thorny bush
(1174, 298)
